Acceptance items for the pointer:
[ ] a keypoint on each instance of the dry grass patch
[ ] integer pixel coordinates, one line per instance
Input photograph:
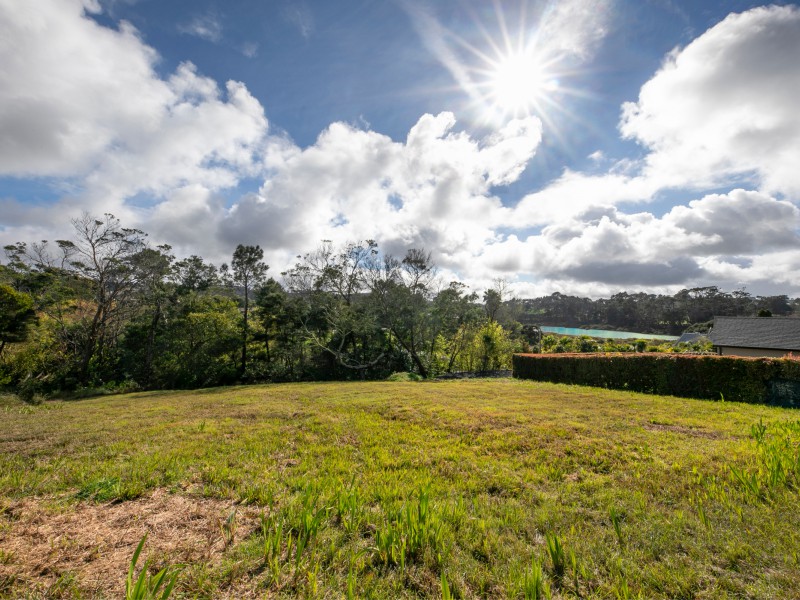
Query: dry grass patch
(86, 548)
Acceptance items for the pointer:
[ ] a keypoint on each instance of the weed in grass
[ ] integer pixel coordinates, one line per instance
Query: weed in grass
(534, 587)
(350, 509)
(457, 513)
(66, 586)
(351, 584)
(147, 587)
(446, 595)
(390, 546)
(408, 532)
(558, 557)
(701, 513)
(777, 465)
(616, 521)
(6, 584)
(272, 537)
(578, 571)
(228, 529)
(312, 580)
(271, 534)
(758, 430)
(101, 490)
(310, 519)
(622, 590)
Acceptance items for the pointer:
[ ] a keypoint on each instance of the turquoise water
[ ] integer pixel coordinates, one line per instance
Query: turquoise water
(602, 333)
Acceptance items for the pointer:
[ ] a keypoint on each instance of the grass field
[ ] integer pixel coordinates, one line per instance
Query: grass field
(462, 489)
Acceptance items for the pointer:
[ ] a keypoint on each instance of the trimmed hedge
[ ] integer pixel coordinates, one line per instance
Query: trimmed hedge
(753, 380)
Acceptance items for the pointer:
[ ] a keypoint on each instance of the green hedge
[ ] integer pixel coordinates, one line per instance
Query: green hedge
(754, 380)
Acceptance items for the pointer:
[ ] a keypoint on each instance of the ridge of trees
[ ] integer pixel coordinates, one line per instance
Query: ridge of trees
(651, 313)
(105, 309)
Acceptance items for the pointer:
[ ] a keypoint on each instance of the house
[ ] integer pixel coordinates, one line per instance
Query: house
(756, 336)
(691, 338)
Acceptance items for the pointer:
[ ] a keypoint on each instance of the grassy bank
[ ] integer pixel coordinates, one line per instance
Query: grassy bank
(386, 490)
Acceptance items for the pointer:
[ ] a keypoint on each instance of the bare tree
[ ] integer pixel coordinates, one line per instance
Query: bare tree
(102, 254)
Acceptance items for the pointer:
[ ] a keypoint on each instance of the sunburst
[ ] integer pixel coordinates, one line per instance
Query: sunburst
(519, 82)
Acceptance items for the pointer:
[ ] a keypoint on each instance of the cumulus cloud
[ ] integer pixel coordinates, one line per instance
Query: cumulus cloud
(83, 101)
(574, 27)
(433, 190)
(725, 106)
(717, 237)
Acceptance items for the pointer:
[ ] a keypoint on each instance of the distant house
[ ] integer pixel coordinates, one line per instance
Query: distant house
(691, 338)
(756, 336)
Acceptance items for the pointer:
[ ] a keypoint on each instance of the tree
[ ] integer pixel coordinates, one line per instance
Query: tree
(271, 301)
(340, 320)
(154, 291)
(86, 284)
(16, 313)
(248, 272)
(492, 302)
(401, 291)
(192, 275)
(103, 254)
(457, 317)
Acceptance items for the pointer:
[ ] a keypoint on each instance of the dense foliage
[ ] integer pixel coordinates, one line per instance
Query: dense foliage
(755, 380)
(106, 310)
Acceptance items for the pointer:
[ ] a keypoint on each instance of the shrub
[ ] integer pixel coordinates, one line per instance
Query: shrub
(402, 376)
(754, 380)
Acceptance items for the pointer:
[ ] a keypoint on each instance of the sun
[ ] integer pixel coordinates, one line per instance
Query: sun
(519, 82)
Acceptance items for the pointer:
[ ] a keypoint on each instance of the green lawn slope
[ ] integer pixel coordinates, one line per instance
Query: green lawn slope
(476, 489)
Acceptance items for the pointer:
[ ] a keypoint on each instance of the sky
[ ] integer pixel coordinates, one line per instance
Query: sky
(578, 146)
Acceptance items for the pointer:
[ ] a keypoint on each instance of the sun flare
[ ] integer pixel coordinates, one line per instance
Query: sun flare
(519, 82)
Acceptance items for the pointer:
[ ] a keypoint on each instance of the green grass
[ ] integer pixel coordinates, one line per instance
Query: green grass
(477, 488)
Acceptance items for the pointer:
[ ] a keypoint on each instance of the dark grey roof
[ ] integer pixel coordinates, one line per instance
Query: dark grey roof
(691, 337)
(777, 333)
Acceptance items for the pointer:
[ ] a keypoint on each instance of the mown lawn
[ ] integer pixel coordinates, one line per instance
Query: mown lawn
(385, 490)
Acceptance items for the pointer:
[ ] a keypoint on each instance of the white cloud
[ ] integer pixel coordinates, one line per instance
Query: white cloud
(207, 27)
(726, 106)
(574, 193)
(432, 190)
(574, 27)
(728, 237)
(83, 101)
(249, 49)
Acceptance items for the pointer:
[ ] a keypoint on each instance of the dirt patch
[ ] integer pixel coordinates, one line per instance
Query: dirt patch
(702, 433)
(94, 543)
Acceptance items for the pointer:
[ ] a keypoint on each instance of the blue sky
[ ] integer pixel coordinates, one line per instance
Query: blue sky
(575, 146)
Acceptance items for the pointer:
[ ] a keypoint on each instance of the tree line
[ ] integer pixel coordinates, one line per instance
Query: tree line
(106, 309)
(691, 309)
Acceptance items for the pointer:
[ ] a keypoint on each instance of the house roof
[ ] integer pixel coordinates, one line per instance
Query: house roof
(691, 337)
(776, 333)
